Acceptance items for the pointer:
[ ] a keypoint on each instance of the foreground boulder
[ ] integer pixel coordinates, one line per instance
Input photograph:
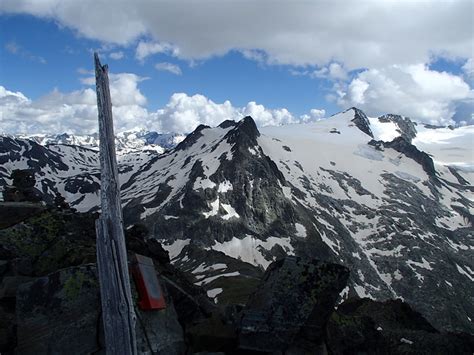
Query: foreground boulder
(390, 327)
(12, 213)
(290, 308)
(23, 188)
(41, 254)
(60, 314)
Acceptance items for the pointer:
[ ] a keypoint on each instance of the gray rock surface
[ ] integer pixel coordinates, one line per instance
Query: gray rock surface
(59, 313)
(292, 305)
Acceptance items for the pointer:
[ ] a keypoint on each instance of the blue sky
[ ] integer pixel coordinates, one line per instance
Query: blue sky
(229, 77)
(296, 68)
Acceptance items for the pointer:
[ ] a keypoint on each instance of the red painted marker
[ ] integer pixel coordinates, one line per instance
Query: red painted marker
(149, 289)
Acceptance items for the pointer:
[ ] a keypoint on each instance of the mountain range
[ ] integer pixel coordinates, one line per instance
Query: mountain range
(387, 197)
(125, 142)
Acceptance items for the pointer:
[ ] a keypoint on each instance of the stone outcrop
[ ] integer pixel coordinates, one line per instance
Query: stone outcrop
(406, 127)
(58, 312)
(292, 305)
(390, 327)
(49, 303)
(361, 121)
(49, 292)
(23, 187)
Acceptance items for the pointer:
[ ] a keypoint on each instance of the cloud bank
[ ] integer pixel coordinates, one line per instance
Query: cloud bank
(286, 32)
(376, 53)
(76, 112)
(413, 90)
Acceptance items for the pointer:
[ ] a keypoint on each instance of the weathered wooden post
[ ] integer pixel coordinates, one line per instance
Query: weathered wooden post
(117, 308)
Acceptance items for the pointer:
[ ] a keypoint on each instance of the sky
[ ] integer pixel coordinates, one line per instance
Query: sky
(177, 63)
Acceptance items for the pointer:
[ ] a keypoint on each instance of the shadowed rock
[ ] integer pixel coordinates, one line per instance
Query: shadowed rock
(292, 305)
(390, 327)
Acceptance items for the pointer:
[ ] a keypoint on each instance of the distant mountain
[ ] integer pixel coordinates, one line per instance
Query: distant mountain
(389, 198)
(125, 141)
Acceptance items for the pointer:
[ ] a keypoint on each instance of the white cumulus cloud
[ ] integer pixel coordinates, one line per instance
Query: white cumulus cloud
(76, 111)
(314, 115)
(147, 48)
(468, 68)
(184, 113)
(412, 90)
(116, 55)
(169, 67)
(73, 112)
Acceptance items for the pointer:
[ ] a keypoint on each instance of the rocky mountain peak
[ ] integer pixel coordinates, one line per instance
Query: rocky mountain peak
(361, 121)
(406, 127)
(402, 145)
(191, 138)
(244, 134)
(227, 124)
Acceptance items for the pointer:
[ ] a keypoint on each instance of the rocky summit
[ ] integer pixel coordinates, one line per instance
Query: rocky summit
(380, 207)
(50, 302)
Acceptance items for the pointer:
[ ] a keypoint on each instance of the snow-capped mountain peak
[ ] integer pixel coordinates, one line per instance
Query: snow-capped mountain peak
(125, 142)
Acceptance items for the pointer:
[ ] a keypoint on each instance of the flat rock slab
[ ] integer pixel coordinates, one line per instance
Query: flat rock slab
(294, 301)
(59, 313)
(12, 213)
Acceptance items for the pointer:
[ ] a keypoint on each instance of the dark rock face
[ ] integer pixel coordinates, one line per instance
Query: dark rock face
(401, 145)
(391, 314)
(66, 303)
(49, 302)
(23, 189)
(191, 138)
(361, 121)
(23, 179)
(59, 312)
(12, 213)
(52, 240)
(391, 327)
(458, 176)
(292, 305)
(136, 239)
(212, 335)
(39, 156)
(254, 191)
(406, 127)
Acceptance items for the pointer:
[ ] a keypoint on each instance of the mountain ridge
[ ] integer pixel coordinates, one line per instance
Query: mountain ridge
(315, 190)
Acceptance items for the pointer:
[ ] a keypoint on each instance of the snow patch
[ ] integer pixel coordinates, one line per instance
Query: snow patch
(203, 184)
(225, 186)
(383, 131)
(300, 230)
(203, 267)
(212, 278)
(231, 213)
(214, 209)
(248, 248)
(214, 292)
(361, 292)
(175, 247)
(463, 272)
(424, 264)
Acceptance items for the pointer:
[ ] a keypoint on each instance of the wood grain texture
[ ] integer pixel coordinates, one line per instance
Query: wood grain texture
(117, 307)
